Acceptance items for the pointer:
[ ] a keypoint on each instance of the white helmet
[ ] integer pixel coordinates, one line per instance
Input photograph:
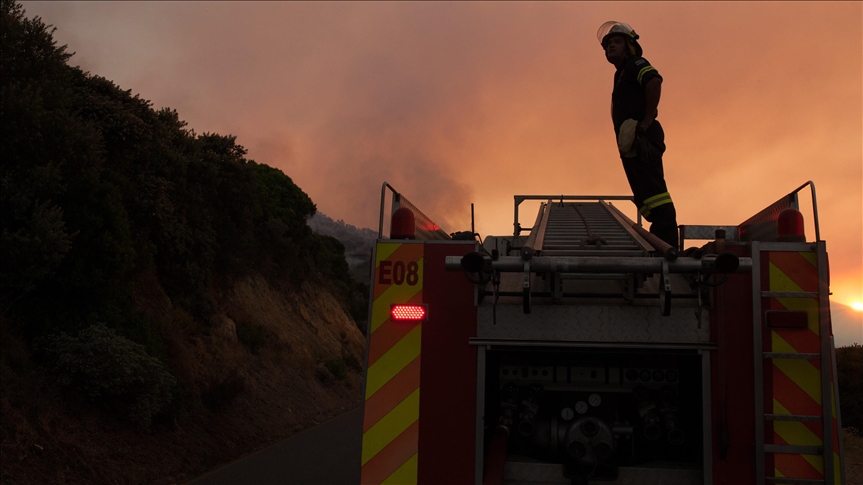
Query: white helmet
(613, 27)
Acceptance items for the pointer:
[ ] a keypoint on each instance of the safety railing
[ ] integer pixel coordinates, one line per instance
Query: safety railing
(425, 228)
(764, 225)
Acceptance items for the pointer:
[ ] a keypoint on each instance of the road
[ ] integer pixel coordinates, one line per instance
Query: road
(328, 454)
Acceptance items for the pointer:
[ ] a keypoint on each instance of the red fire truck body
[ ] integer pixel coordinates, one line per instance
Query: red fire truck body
(590, 352)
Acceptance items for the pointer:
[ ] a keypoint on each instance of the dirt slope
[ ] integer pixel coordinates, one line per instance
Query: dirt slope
(257, 374)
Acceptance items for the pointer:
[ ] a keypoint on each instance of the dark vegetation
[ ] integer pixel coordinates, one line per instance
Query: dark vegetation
(358, 244)
(849, 363)
(110, 370)
(849, 367)
(100, 194)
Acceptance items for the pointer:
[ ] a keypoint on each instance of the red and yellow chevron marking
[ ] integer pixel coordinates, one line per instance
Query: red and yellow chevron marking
(797, 383)
(392, 394)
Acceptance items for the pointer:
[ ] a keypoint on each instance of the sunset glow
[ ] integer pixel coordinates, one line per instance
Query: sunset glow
(857, 306)
(474, 102)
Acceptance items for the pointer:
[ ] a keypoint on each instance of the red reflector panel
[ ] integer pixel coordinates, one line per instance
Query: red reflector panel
(402, 312)
(787, 319)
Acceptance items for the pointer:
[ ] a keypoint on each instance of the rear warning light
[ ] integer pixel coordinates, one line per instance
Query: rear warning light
(790, 226)
(402, 224)
(402, 312)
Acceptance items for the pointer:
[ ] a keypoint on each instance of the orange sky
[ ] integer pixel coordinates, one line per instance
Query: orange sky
(454, 103)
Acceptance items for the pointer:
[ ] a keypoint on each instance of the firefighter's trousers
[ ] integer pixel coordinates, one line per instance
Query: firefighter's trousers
(647, 181)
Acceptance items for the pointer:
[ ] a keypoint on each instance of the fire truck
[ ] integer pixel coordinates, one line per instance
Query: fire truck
(583, 350)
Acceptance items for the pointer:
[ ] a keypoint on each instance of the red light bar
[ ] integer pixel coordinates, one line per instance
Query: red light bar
(403, 312)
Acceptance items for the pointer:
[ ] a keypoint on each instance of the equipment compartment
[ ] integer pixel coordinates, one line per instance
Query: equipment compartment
(593, 412)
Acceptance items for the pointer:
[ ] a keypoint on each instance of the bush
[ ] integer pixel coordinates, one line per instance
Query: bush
(849, 366)
(111, 371)
(337, 368)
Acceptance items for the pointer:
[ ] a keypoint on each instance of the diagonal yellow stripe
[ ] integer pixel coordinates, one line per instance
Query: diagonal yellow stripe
(811, 376)
(802, 373)
(793, 432)
(779, 281)
(395, 294)
(780, 344)
(810, 256)
(778, 408)
(405, 475)
(385, 250)
(797, 434)
(394, 360)
(391, 426)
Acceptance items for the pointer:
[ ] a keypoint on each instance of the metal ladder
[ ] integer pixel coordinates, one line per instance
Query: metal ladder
(586, 229)
(827, 358)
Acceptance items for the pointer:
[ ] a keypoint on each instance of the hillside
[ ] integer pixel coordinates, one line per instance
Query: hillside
(164, 305)
(358, 243)
(847, 324)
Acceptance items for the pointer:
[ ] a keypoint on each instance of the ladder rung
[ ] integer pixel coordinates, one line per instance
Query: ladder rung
(583, 276)
(794, 450)
(575, 246)
(792, 417)
(791, 355)
(789, 294)
(588, 252)
(793, 481)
